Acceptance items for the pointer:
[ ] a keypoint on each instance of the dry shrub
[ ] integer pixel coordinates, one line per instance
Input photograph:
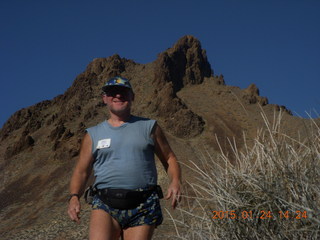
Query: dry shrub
(272, 192)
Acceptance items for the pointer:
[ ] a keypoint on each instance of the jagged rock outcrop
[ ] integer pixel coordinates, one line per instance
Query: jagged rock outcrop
(251, 95)
(176, 116)
(28, 118)
(25, 142)
(185, 63)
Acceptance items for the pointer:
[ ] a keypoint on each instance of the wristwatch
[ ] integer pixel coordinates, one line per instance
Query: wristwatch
(72, 195)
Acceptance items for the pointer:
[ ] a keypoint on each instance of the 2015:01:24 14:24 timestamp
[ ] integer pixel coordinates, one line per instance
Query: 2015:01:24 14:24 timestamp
(262, 214)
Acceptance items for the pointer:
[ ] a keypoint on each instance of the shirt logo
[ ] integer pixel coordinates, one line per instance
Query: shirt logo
(104, 143)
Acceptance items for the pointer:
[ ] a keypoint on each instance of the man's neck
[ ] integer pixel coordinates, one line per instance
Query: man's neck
(117, 121)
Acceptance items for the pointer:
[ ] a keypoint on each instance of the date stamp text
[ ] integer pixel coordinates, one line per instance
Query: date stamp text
(261, 214)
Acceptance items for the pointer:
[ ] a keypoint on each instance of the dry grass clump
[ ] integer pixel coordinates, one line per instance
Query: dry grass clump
(272, 192)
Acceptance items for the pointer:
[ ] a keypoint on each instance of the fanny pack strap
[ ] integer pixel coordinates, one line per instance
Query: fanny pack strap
(129, 194)
(126, 199)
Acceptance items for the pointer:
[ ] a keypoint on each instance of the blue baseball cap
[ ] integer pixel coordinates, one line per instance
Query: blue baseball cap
(117, 81)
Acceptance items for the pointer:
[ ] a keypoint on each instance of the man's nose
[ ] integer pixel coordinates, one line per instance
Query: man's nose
(118, 95)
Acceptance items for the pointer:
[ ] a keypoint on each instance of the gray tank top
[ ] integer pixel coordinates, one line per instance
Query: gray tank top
(124, 156)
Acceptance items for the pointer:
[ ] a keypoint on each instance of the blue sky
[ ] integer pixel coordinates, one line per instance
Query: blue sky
(275, 44)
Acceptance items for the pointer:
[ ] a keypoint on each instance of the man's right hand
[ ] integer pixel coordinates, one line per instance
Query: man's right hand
(74, 209)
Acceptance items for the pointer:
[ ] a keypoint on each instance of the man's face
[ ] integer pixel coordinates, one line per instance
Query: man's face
(118, 99)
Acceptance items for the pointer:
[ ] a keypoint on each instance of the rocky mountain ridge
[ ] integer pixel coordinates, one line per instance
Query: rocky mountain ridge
(39, 144)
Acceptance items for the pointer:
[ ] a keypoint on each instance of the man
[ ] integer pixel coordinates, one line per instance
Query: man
(121, 153)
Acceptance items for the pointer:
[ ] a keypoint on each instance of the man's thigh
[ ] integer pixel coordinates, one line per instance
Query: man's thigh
(103, 226)
(143, 232)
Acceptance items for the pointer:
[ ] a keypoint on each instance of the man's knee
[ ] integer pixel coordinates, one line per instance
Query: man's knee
(143, 232)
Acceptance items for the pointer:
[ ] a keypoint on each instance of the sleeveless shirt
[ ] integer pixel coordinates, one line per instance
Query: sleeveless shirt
(124, 155)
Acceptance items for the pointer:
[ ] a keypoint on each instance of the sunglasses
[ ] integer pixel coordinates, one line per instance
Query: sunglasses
(113, 91)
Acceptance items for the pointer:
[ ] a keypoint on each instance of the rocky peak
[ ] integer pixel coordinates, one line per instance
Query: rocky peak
(185, 63)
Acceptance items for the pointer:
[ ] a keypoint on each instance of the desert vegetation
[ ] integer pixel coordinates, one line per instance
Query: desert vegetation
(271, 192)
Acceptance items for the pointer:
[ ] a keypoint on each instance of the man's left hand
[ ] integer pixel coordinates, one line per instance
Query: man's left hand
(174, 192)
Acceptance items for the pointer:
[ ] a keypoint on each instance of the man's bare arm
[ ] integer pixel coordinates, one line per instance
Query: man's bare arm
(170, 163)
(80, 176)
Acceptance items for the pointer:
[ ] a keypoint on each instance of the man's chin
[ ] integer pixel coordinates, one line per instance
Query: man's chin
(120, 111)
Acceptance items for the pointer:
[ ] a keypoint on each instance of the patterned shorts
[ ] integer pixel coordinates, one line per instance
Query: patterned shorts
(147, 213)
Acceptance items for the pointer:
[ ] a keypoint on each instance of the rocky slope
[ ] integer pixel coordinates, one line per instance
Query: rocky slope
(39, 144)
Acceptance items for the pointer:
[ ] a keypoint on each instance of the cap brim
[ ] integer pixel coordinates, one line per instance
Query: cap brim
(108, 86)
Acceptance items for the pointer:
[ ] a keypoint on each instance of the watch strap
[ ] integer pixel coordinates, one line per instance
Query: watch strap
(73, 195)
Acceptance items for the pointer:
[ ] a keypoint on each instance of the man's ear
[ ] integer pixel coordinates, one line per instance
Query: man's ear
(104, 99)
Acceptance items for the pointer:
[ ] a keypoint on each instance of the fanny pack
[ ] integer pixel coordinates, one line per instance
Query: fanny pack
(123, 198)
